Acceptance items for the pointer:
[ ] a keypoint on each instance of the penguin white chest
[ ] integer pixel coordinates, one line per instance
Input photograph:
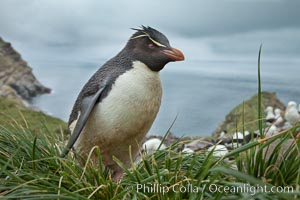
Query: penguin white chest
(131, 105)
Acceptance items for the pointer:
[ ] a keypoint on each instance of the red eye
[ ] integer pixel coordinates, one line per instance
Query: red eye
(151, 46)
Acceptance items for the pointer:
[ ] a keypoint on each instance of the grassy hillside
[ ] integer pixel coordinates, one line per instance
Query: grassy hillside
(12, 114)
(246, 113)
(30, 168)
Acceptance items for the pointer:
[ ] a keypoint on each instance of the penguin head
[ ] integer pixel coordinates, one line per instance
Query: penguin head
(151, 47)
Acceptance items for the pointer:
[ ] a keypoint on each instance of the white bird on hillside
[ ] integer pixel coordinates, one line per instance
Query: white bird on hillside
(286, 126)
(239, 135)
(272, 130)
(270, 117)
(223, 134)
(278, 116)
(299, 109)
(218, 150)
(291, 113)
(151, 145)
(238, 139)
(187, 150)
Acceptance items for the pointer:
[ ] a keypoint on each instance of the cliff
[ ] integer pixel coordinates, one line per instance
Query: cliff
(16, 78)
(17, 85)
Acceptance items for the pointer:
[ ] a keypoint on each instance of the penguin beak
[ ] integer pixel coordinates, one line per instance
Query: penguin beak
(174, 54)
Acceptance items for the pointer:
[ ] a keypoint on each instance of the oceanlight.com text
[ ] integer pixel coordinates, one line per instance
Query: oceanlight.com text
(247, 188)
(213, 188)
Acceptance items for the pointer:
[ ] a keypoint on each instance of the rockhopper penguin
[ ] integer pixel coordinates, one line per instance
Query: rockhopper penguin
(117, 106)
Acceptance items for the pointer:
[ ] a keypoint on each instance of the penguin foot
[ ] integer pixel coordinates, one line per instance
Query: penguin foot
(118, 175)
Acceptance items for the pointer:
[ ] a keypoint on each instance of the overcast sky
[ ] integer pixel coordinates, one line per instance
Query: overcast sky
(93, 29)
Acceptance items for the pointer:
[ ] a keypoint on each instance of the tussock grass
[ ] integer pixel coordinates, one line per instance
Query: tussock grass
(13, 114)
(32, 169)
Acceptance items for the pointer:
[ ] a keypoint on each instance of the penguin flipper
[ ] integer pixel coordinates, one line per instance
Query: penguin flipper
(87, 106)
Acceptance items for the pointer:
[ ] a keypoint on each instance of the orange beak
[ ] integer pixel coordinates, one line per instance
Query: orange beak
(174, 54)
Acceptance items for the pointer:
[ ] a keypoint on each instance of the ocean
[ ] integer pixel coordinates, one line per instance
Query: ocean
(199, 92)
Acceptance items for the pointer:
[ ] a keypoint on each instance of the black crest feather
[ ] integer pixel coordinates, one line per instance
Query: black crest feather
(150, 32)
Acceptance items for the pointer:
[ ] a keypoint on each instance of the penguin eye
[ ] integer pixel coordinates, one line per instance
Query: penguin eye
(151, 46)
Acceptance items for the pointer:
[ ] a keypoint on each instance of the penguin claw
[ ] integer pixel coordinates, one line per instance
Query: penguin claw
(118, 175)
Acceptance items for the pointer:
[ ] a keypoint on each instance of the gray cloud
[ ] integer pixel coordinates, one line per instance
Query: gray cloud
(228, 17)
(100, 28)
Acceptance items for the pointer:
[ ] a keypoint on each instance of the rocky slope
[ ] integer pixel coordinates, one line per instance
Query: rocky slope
(16, 78)
(248, 111)
(17, 85)
(243, 116)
